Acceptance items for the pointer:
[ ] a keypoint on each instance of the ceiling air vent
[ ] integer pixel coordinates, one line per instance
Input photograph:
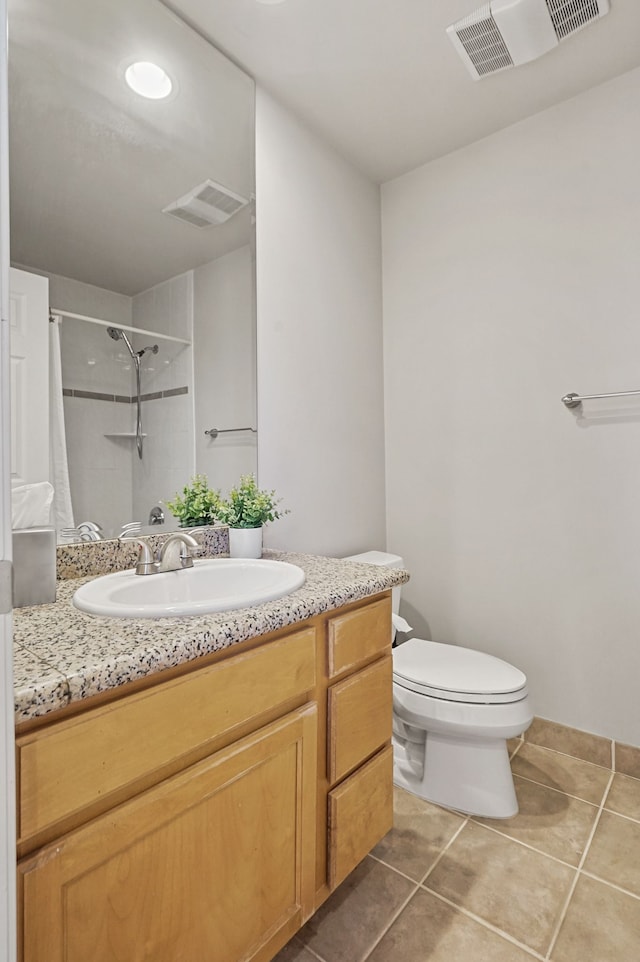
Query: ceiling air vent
(571, 15)
(207, 205)
(506, 33)
(483, 48)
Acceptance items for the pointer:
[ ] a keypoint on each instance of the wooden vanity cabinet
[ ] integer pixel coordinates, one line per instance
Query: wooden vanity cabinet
(208, 816)
(214, 863)
(359, 763)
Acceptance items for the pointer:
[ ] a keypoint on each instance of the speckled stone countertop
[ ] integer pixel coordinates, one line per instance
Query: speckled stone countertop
(62, 655)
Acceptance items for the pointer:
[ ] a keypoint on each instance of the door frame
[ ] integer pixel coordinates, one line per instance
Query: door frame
(7, 760)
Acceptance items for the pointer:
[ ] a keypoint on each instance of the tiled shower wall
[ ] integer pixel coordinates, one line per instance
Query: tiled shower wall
(167, 391)
(212, 306)
(109, 483)
(95, 369)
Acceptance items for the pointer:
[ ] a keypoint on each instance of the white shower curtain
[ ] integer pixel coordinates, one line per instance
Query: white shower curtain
(61, 510)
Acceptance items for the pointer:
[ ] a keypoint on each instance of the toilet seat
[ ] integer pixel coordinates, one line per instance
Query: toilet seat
(451, 673)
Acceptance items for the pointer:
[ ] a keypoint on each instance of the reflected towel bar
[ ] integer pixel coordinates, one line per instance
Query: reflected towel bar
(575, 400)
(214, 432)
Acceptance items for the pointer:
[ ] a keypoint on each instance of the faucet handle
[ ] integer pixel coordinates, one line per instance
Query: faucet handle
(147, 565)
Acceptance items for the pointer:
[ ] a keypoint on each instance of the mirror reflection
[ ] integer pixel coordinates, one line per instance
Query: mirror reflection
(132, 229)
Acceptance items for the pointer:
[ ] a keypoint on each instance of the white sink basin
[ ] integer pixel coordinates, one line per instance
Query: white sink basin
(216, 584)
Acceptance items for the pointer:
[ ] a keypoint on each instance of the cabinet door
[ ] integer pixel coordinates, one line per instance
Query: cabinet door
(215, 864)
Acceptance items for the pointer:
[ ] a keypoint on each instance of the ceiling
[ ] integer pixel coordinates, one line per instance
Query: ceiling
(93, 165)
(380, 80)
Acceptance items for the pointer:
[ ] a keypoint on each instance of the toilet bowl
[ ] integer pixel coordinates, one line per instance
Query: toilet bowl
(453, 710)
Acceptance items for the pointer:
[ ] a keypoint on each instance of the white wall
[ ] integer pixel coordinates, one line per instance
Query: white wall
(320, 441)
(511, 277)
(224, 337)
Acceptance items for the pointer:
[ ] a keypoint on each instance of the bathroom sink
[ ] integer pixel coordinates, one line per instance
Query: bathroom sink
(215, 584)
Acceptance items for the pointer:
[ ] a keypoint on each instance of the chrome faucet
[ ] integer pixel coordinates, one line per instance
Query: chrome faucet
(174, 555)
(177, 552)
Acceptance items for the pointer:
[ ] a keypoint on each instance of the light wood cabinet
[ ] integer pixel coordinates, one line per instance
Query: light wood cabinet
(81, 766)
(207, 816)
(214, 863)
(359, 762)
(359, 717)
(360, 814)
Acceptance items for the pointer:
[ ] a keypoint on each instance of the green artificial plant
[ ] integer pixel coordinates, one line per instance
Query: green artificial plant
(247, 506)
(197, 505)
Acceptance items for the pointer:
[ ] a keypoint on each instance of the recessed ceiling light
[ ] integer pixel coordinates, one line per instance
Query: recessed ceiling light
(148, 80)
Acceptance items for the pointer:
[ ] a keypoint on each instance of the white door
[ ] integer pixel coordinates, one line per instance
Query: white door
(29, 318)
(7, 764)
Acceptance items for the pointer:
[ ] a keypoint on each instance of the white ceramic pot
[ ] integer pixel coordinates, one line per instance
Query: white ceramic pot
(245, 542)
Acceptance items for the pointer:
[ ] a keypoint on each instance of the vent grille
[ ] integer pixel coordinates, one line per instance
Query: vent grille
(188, 215)
(207, 205)
(220, 199)
(483, 42)
(571, 15)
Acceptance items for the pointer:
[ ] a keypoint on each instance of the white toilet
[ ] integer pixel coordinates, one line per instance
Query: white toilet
(453, 710)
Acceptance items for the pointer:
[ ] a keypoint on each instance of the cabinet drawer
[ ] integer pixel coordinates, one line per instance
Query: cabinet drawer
(110, 751)
(359, 715)
(358, 636)
(360, 814)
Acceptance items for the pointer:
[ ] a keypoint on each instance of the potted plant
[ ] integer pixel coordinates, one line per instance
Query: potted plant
(197, 505)
(246, 509)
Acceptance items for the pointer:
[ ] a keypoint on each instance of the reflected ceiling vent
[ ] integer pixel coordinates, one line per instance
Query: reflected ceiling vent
(506, 33)
(207, 205)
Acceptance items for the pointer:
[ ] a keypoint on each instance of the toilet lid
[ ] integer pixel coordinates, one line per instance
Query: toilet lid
(456, 674)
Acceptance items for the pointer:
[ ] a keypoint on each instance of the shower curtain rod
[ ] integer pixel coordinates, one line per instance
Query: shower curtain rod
(122, 327)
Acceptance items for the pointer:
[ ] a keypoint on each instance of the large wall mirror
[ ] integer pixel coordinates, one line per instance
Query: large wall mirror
(132, 223)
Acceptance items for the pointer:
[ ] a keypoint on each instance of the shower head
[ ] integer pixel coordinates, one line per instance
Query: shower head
(116, 333)
(150, 347)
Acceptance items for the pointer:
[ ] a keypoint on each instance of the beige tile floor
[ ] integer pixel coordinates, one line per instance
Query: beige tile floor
(559, 882)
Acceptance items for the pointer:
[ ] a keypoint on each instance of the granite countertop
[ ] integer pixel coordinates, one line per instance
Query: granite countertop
(62, 655)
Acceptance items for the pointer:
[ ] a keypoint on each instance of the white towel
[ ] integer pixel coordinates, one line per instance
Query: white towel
(31, 505)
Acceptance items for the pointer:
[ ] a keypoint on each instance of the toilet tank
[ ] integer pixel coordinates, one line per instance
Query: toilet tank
(385, 560)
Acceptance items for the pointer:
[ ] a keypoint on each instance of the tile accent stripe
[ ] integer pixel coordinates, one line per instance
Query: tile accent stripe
(123, 398)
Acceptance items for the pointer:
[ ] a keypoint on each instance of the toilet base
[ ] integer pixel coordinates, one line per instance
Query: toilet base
(470, 775)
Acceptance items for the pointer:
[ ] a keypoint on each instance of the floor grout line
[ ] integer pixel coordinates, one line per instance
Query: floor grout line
(394, 868)
(565, 907)
(577, 758)
(417, 887)
(484, 923)
(561, 791)
(393, 919)
(320, 958)
(612, 885)
(444, 851)
(612, 811)
(527, 845)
